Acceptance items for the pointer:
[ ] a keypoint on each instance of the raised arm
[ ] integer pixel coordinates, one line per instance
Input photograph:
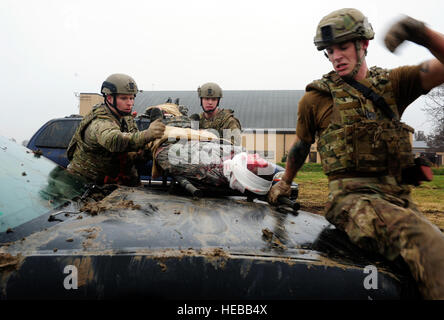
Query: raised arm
(432, 71)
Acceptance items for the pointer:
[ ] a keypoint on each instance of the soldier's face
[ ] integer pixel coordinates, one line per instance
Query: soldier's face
(209, 104)
(343, 56)
(124, 102)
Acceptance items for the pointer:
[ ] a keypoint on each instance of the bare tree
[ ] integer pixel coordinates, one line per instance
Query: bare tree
(435, 110)
(420, 136)
(436, 139)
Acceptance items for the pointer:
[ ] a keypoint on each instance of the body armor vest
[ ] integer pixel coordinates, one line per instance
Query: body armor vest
(360, 137)
(217, 123)
(93, 161)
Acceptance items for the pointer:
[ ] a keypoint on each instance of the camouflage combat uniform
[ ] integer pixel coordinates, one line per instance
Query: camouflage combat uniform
(362, 153)
(223, 120)
(100, 148)
(200, 162)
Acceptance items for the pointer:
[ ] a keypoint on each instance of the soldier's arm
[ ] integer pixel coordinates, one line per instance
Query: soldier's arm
(432, 71)
(109, 136)
(300, 148)
(296, 158)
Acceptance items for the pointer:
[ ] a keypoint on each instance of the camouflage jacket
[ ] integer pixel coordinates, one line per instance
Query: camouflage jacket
(100, 146)
(360, 137)
(223, 120)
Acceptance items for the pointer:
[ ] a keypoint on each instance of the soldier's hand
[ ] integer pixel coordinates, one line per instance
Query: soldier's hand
(406, 29)
(155, 130)
(278, 190)
(136, 156)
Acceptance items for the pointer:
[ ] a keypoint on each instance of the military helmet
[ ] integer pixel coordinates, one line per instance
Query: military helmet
(119, 83)
(209, 90)
(342, 25)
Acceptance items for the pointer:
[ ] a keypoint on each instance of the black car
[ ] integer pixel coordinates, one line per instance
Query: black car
(52, 140)
(64, 239)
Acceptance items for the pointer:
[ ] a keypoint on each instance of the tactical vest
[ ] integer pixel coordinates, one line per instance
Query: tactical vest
(219, 122)
(360, 137)
(92, 161)
(222, 121)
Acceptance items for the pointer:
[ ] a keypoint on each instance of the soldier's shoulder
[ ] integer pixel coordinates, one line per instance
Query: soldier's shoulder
(320, 85)
(99, 108)
(228, 119)
(226, 113)
(96, 106)
(101, 112)
(314, 97)
(377, 69)
(233, 123)
(103, 122)
(379, 72)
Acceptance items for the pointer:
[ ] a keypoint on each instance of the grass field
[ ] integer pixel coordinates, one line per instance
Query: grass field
(313, 192)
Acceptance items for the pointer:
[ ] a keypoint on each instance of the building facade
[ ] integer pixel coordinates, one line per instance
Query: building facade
(268, 117)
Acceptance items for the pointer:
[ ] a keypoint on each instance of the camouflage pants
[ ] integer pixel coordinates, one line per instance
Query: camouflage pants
(199, 162)
(379, 215)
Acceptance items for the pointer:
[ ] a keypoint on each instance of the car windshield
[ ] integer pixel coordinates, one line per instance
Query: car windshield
(31, 185)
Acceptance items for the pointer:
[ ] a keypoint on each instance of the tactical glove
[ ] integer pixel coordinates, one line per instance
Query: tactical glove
(155, 130)
(406, 29)
(280, 189)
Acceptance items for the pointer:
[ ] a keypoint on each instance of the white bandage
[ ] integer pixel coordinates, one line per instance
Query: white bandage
(241, 178)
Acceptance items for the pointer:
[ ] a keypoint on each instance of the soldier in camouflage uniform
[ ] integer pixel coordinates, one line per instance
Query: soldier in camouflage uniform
(107, 141)
(200, 158)
(212, 117)
(364, 147)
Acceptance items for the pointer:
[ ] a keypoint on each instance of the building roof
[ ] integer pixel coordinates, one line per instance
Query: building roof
(255, 109)
(420, 144)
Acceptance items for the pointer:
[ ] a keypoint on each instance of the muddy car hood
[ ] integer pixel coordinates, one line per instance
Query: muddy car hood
(145, 242)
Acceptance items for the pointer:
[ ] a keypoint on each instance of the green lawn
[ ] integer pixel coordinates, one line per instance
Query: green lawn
(430, 195)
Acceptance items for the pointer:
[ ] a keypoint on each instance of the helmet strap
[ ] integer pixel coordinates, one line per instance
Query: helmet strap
(114, 105)
(359, 60)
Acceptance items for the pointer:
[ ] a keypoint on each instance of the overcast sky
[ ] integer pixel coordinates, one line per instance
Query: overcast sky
(51, 50)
